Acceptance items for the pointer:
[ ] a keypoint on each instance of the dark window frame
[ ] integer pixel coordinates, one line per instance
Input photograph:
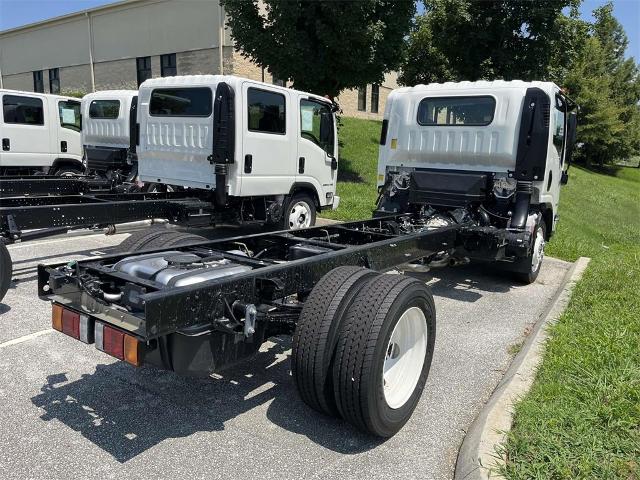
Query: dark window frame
(331, 146)
(168, 65)
(560, 106)
(375, 98)
(266, 132)
(54, 79)
(103, 117)
(141, 71)
(210, 103)
(461, 97)
(38, 81)
(4, 119)
(362, 99)
(69, 125)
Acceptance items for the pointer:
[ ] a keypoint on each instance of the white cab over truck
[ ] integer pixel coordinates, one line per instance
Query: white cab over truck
(40, 133)
(265, 153)
(109, 133)
(498, 151)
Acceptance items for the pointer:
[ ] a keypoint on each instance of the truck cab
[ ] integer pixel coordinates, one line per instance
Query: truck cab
(109, 133)
(269, 150)
(40, 134)
(478, 144)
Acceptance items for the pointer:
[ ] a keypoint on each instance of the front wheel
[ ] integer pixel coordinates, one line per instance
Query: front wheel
(68, 172)
(527, 269)
(299, 212)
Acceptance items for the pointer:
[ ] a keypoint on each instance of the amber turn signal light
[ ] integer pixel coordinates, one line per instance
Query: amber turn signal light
(132, 351)
(56, 317)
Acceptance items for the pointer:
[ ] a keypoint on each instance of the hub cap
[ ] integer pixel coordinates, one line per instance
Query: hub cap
(404, 357)
(538, 251)
(299, 216)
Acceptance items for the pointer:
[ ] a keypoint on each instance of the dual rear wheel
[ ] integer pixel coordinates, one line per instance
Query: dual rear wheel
(363, 347)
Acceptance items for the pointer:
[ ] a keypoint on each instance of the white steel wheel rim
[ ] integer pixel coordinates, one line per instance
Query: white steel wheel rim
(404, 357)
(299, 216)
(538, 251)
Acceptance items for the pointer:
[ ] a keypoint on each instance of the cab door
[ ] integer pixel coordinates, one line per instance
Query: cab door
(25, 135)
(317, 148)
(268, 141)
(68, 143)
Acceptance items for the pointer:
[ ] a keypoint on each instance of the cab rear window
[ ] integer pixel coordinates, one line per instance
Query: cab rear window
(107, 109)
(454, 111)
(181, 102)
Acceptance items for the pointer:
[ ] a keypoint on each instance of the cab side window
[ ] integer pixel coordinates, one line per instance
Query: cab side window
(22, 110)
(559, 114)
(316, 124)
(266, 111)
(70, 117)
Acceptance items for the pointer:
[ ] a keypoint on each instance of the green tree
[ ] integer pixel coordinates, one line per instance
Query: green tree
(322, 46)
(472, 40)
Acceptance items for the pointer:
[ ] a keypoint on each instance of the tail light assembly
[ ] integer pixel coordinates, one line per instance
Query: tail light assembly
(106, 338)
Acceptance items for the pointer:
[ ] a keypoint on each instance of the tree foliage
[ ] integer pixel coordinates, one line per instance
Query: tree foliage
(471, 40)
(322, 46)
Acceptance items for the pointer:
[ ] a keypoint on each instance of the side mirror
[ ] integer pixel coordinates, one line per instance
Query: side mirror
(334, 163)
(564, 179)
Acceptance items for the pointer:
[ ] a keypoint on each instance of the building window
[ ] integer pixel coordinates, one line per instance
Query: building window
(477, 111)
(143, 65)
(22, 110)
(181, 102)
(266, 111)
(54, 80)
(38, 82)
(375, 98)
(168, 65)
(362, 99)
(104, 109)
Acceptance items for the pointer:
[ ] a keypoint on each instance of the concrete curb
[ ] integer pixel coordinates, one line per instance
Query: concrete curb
(477, 456)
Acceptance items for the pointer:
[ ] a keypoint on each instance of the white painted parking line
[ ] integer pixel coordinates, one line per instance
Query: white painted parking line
(26, 338)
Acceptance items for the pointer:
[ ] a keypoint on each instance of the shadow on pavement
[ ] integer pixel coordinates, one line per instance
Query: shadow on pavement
(4, 308)
(125, 411)
(465, 283)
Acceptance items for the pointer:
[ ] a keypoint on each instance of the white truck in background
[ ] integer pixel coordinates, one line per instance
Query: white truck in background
(264, 153)
(497, 151)
(109, 134)
(40, 134)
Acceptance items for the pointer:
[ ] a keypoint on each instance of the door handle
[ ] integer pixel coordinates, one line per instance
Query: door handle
(63, 146)
(301, 165)
(248, 163)
(6, 144)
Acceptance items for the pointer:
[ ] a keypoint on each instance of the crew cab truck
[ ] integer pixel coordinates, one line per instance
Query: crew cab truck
(266, 153)
(363, 341)
(109, 134)
(40, 134)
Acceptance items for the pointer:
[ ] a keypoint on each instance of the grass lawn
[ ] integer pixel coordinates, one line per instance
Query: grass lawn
(581, 418)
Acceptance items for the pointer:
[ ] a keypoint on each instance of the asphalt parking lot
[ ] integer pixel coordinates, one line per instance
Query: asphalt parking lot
(69, 410)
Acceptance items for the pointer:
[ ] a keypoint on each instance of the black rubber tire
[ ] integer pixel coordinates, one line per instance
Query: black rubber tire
(359, 359)
(298, 197)
(316, 335)
(522, 268)
(156, 237)
(68, 172)
(6, 270)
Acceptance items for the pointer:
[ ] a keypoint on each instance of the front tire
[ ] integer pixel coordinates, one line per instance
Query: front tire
(526, 270)
(384, 354)
(299, 212)
(6, 270)
(68, 172)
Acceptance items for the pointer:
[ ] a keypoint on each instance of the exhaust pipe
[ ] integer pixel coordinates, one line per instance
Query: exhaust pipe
(221, 171)
(521, 209)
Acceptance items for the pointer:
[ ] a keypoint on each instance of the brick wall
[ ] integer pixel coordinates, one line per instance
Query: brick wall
(115, 75)
(74, 79)
(19, 81)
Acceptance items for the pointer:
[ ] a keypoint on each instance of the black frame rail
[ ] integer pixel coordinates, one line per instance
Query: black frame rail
(50, 215)
(11, 186)
(163, 310)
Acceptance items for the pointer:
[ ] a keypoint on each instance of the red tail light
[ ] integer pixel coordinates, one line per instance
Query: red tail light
(119, 344)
